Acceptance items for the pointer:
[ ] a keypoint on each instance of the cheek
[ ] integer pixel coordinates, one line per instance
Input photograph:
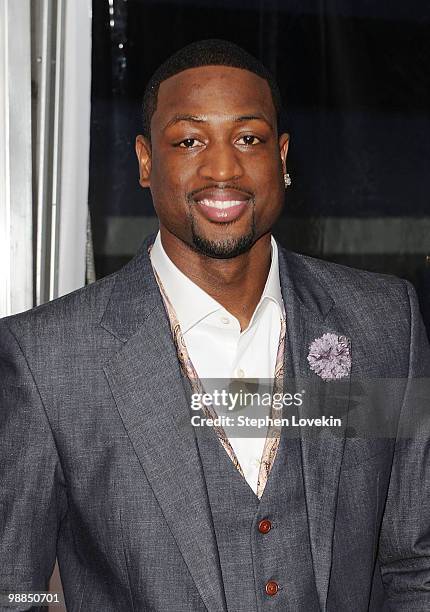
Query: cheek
(266, 169)
(169, 175)
(168, 189)
(271, 193)
(166, 186)
(269, 182)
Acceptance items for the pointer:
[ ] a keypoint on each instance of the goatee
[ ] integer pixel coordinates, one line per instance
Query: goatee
(223, 249)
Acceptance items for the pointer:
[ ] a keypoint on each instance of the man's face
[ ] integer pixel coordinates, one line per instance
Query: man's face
(215, 165)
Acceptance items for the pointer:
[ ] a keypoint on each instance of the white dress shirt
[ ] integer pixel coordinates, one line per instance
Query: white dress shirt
(217, 346)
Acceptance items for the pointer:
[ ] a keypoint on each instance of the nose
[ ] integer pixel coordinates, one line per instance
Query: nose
(221, 163)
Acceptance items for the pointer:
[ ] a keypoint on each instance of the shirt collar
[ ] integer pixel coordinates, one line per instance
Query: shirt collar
(190, 302)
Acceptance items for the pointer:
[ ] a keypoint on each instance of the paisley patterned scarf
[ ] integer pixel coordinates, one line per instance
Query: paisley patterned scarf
(273, 432)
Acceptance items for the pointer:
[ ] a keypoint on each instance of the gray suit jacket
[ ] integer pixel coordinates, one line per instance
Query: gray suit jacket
(97, 468)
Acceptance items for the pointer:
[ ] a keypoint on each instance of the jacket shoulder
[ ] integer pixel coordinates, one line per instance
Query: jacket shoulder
(340, 280)
(76, 310)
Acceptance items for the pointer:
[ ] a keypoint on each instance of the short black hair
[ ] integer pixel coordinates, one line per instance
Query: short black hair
(210, 52)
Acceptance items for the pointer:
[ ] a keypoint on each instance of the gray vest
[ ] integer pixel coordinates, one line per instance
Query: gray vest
(249, 558)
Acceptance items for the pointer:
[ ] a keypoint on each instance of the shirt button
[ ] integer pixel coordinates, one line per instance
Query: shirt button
(272, 588)
(225, 320)
(264, 526)
(240, 373)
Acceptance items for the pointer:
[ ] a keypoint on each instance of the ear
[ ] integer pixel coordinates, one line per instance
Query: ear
(143, 152)
(284, 141)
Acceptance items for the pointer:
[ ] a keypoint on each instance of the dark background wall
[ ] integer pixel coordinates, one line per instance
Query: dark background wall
(355, 80)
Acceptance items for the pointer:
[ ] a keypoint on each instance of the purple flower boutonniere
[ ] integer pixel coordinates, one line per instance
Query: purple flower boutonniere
(330, 357)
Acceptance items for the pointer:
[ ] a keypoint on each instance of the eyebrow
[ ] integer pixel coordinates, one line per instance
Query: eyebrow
(203, 119)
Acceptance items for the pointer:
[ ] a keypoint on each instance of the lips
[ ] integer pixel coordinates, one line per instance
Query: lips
(222, 205)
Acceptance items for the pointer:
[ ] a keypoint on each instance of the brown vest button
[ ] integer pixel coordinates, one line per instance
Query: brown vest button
(264, 526)
(272, 588)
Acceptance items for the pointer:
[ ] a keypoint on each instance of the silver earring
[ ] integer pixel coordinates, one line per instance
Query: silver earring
(287, 180)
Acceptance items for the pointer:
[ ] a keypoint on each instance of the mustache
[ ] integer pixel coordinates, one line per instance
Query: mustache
(190, 195)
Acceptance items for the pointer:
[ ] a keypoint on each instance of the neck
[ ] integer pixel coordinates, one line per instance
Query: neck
(236, 283)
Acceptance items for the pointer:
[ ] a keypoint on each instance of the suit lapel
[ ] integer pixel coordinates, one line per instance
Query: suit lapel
(310, 313)
(151, 398)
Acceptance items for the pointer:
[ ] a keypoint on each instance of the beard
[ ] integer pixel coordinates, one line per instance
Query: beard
(223, 249)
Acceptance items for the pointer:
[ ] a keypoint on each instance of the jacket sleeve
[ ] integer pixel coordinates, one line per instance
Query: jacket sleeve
(404, 545)
(32, 492)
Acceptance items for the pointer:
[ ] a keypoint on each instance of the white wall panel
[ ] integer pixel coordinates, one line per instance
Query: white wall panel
(75, 146)
(16, 261)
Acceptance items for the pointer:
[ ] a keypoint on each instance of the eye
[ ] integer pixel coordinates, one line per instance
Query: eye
(188, 143)
(250, 139)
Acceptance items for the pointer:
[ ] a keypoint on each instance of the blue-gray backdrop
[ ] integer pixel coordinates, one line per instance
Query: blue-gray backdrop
(355, 80)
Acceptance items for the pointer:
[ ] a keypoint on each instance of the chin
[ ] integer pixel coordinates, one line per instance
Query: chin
(223, 247)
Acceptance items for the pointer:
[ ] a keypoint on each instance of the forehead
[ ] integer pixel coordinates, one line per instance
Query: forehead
(214, 89)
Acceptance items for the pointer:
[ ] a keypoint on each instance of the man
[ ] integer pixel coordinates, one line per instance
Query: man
(99, 463)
